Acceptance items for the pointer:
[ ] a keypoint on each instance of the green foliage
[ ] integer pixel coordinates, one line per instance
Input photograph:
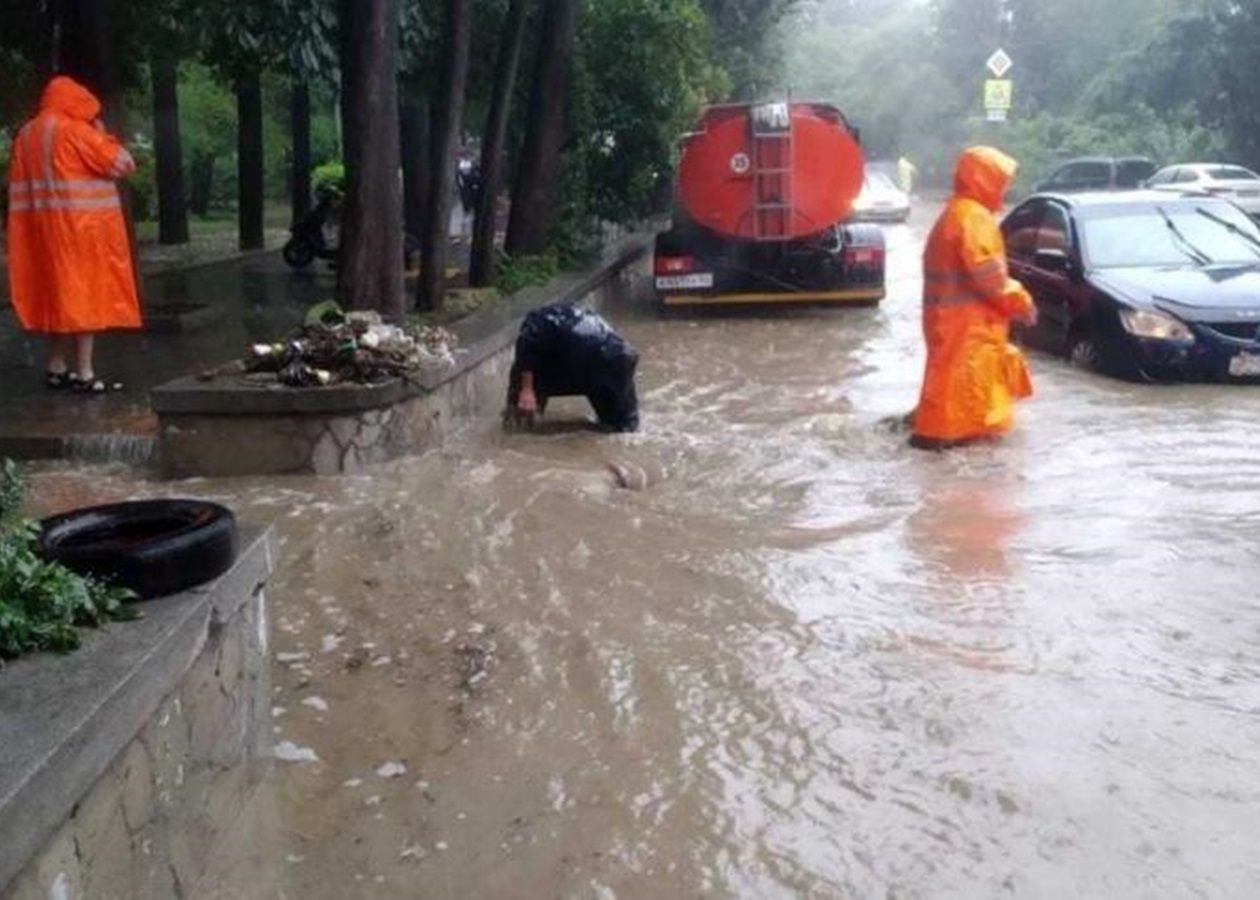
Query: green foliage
(647, 72)
(12, 492)
(516, 274)
(329, 178)
(747, 43)
(1128, 76)
(643, 69)
(1041, 141)
(207, 120)
(144, 181)
(43, 605)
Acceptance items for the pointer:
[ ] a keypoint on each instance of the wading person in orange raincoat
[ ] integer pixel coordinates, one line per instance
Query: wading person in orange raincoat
(974, 374)
(70, 268)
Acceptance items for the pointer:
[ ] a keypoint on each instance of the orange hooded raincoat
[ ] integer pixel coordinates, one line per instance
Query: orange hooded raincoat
(70, 267)
(974, 374)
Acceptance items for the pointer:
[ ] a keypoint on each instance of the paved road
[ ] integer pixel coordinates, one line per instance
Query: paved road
(803, 661)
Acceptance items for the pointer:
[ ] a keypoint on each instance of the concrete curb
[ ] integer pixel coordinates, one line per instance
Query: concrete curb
(65, 719)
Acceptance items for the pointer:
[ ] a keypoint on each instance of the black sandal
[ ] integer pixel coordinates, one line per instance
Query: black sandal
(56, 381)
(91, 385)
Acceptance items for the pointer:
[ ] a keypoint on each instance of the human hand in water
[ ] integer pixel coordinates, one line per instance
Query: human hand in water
(527, 403)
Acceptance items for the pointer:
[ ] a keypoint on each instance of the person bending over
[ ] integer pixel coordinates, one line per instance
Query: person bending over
(564, 351)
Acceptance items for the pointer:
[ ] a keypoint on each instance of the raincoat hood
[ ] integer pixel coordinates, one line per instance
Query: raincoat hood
(67, 97)
(983, 175)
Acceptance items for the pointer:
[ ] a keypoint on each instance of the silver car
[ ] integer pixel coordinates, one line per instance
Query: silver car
(881, 200)
(1242, 186)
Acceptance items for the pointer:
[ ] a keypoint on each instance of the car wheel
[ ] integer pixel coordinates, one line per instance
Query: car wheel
(1085, 354)
(299, 252)
(153, 547)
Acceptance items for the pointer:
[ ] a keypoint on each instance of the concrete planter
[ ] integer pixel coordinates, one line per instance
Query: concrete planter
(130, 761)
(234, 427)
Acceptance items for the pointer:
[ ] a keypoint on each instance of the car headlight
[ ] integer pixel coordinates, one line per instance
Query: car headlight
(1142, 323)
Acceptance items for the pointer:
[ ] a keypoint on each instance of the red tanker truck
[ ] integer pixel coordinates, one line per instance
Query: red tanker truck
(762, 197)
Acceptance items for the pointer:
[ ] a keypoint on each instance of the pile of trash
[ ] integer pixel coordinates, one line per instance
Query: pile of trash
(336, 347)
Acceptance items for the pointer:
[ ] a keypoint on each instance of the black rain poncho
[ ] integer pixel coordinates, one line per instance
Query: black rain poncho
(574, 352)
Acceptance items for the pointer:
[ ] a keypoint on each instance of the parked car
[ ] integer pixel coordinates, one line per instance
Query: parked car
(880, 200)
(1235, 183)
(1099, 173)
(1144, 285)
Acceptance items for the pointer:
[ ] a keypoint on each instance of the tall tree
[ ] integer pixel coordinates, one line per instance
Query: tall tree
(305, 43)
(414, 120)
(371, 274)
(250, 161)
(240, 43)
(448, 115)
(534, 193)
(1238, 61)
(745, 36)
(511, 42)
(300, 130)
(168, 150)
(160, 29)
(417, 47)
(85, 50)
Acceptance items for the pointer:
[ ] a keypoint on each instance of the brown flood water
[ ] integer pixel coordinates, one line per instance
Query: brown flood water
(803, 661)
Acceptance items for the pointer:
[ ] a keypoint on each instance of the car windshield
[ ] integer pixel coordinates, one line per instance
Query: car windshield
(878, 181)
(1231, 173)
(1172, 234)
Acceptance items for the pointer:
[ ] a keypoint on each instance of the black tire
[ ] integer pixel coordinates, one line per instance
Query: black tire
(153, 547)
(299, 252)
(1083, 352)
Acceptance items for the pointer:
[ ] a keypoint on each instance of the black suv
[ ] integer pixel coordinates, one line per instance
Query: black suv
(1099, 173)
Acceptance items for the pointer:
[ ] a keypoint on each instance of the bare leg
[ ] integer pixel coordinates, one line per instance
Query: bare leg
(83, 346)
(59, 347)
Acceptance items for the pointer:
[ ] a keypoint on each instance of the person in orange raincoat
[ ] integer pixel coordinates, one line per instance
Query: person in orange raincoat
(70, 265)
(974, 374)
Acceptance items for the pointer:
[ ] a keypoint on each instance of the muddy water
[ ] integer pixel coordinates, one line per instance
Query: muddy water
(796, 659)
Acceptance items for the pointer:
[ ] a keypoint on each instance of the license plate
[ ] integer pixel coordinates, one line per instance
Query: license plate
(1245, 365)
(684, 282)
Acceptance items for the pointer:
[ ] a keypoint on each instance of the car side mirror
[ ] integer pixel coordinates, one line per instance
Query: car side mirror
(1056, 261)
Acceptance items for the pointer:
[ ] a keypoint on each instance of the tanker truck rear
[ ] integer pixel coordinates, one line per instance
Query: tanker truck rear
(762, 196)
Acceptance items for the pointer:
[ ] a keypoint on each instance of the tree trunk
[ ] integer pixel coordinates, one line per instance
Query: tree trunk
(534, 194)
(481, 269)
(447, 119)
(414, 120)
(46, 49)
(300, 129)
(371, 274)
(85, 51)
(168, 148)
(249, 161)
(202, 171)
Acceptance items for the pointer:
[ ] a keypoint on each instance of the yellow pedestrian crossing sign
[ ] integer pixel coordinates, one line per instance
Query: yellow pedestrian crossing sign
(998, 93)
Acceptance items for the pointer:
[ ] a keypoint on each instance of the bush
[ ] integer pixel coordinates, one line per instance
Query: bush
(144, 184)
(525, 271)
(43, 605)
(329, 178)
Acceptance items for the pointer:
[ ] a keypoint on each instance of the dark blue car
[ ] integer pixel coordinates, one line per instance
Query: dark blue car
(1141, 285)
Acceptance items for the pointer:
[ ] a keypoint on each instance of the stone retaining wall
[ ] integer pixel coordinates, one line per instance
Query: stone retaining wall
(232, 427)
(130, 761)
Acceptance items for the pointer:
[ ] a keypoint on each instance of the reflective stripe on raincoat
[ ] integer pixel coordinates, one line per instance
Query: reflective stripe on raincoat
(70, 267)
(974, 374)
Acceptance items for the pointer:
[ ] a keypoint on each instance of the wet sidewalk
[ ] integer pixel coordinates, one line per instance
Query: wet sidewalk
(195, 318)
(203, 304)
